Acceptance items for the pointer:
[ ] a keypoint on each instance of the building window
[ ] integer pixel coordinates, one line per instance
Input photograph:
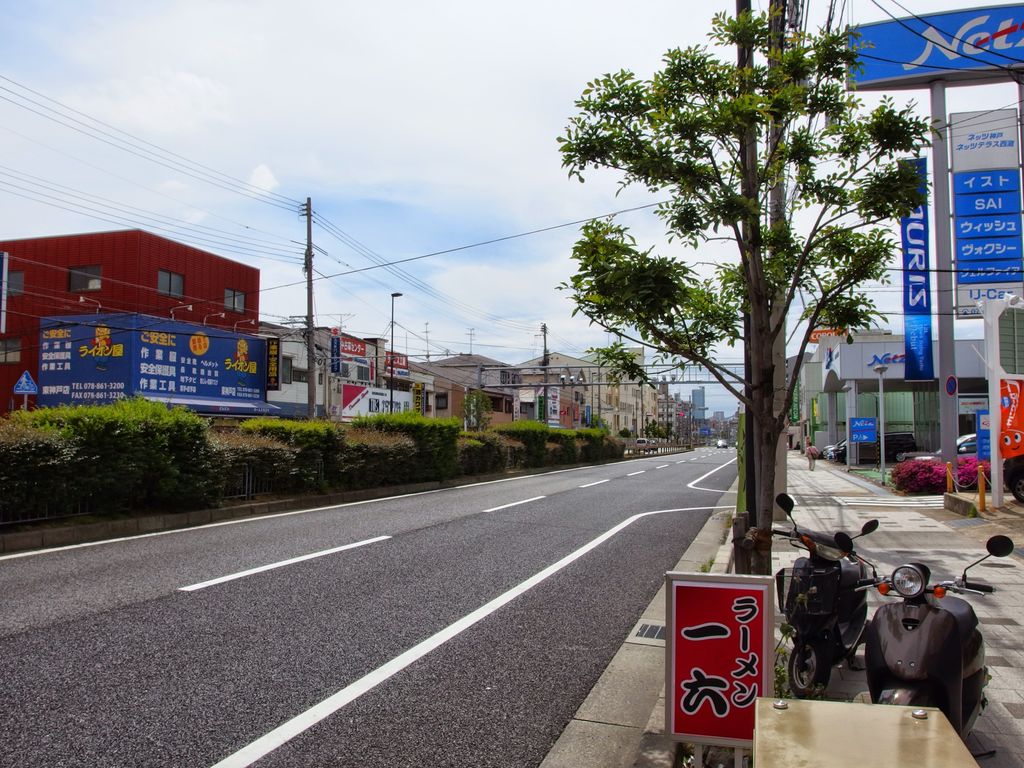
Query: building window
(286, 370)
(10, 350)
(84, 279)
(441, 401)
(234, 300)
(170, 283)
(15, 283)
(300, 375)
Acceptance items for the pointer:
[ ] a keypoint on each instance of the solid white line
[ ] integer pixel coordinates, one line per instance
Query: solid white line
(707, 474)
(515, 503)
(272, 566)
(631, 474)
(266, 744)
(591, 485)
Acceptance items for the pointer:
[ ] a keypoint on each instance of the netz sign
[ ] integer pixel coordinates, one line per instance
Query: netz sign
(963, 45)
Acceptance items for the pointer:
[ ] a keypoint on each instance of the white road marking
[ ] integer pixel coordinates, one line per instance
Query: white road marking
(661, 466)
(707, 474)
(632, 474)
(281, 564)
(591, 485)
(285, 732)
(515, 503)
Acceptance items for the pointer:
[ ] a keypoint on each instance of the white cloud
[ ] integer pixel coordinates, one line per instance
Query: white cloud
(263, 178)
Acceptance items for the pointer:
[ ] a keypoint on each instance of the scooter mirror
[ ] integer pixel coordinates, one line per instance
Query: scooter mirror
(844, 541)
(999, 546)
(869, 527)
(785, 501)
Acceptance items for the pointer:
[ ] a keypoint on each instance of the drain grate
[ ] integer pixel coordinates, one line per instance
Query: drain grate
(651, 631)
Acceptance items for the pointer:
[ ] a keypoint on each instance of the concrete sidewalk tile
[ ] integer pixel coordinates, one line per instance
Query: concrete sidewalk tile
(595, 745)
(628, 688)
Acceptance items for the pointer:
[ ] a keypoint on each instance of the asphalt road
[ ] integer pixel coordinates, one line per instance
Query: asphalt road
(455, 628)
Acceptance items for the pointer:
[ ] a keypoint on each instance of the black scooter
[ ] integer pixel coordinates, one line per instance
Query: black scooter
(927, 649)
(825, 602)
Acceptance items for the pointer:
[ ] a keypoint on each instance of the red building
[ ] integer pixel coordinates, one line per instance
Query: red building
(126, 271)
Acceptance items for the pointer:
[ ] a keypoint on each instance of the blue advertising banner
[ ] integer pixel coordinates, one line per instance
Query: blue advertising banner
(956, 45)
(972, 273)
(987, 226)
(989, 203)
(990, 249)
(863, 430)
(96, 359)
(978, 182)
(983, 435)
(335, 354)
(917, 290)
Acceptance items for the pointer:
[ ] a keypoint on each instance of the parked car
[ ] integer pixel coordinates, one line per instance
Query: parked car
(1013, 476)
(829, 451)
(721, 444)
(966, 445)
(645, 445)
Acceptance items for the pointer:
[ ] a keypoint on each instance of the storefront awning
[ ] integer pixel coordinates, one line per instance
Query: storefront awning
(216, 404)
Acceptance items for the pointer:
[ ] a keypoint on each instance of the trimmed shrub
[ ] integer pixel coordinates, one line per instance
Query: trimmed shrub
(481, 453)
(533, 436)
(272, 464)
(917, 476)
(437, 456)
(32, 458)
(134, 454)
(318, 443)
(567, 452)
(372, 458)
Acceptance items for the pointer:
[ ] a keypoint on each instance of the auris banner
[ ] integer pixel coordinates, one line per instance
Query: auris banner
(1011, 421)
(956, 45)
(917, 293)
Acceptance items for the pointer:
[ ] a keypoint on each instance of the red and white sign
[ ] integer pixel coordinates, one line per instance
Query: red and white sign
(354, 347)
(818, 333)
(400, 363)
(719, 656)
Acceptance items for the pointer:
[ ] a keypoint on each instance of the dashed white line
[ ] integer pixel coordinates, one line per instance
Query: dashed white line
(591, 485)
(281, 564)
(631, 474)
(661, 466)
(515, 503)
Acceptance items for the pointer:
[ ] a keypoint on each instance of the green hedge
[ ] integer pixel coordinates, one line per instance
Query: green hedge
(135, 453)
(137, 456)
(436, 440)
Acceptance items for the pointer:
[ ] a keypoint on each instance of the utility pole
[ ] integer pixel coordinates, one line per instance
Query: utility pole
(310, 330)
(426, 338)
(544, 362)
(470, 334)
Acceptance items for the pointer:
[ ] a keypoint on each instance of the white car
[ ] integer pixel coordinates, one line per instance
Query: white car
(722, 444)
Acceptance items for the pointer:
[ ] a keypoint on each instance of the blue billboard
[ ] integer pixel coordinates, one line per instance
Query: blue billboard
(910, 52)
(96, 359)
(917, 289)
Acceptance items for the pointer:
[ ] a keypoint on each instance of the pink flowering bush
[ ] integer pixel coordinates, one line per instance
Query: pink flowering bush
(918, 476)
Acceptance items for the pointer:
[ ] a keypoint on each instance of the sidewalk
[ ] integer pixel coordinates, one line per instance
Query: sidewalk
(610, 730)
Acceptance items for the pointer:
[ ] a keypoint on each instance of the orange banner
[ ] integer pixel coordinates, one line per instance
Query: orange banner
(1011, 418)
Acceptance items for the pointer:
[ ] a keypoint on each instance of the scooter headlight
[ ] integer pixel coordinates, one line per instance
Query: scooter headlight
(908, 581)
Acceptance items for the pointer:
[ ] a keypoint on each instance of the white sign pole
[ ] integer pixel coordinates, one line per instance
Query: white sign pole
(990, 312)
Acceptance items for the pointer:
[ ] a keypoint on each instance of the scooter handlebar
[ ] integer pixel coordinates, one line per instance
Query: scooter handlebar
(979, 587)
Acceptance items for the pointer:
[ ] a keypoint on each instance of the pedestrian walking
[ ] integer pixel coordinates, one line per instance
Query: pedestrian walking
(812, 456)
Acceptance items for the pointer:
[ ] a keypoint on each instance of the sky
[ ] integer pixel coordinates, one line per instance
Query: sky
(424, 132)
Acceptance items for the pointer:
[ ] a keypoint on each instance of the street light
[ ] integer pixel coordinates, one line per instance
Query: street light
(880, 370)
(250, 321)
(180, 306)
(212, 314)
(391, 359)
(84, 299)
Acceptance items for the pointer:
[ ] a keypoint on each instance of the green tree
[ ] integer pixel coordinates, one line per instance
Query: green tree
(717, 138)
(476, 410)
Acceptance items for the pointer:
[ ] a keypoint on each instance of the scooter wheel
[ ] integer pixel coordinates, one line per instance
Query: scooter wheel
(809, 669)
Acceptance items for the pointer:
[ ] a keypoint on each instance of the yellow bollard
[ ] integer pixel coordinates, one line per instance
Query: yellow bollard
(949, 477)
(981, 489)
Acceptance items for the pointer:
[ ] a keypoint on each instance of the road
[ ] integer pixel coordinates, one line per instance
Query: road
(454, 628)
